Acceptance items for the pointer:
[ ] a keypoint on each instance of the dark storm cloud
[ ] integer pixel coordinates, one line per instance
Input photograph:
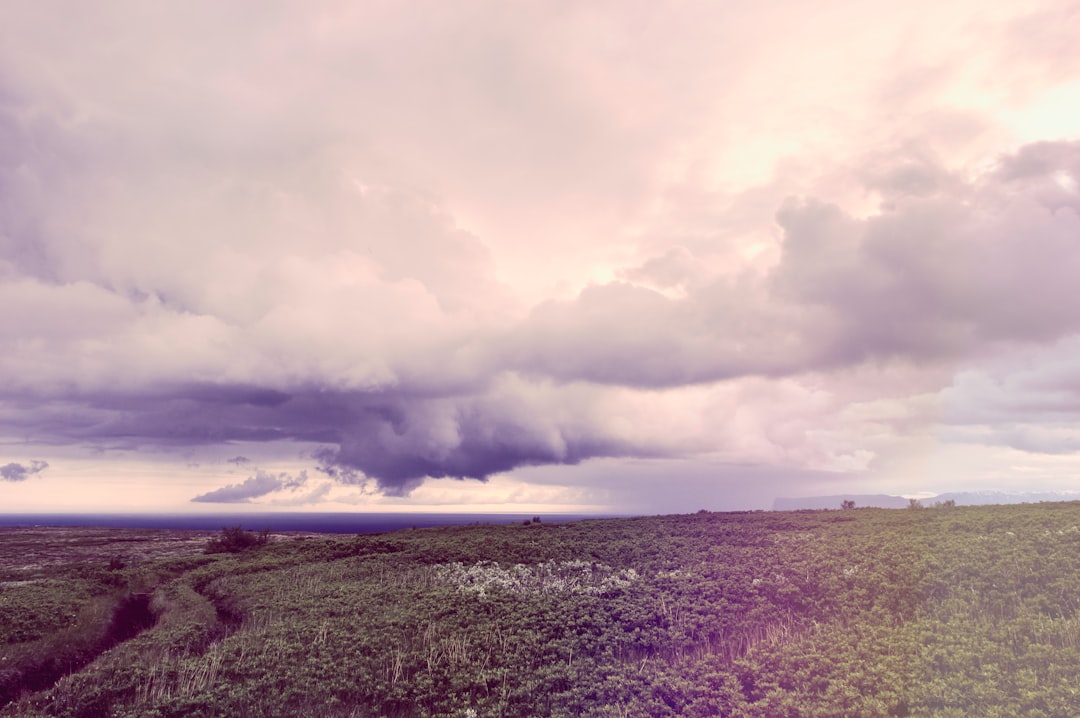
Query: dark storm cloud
(397, 440)
(462, 439)
(20, 472)
(203, 415)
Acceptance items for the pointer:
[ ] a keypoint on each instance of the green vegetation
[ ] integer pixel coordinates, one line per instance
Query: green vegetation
(943, 611)
(235, 539)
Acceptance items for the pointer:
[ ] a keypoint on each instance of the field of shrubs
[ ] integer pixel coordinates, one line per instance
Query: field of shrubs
(948, 611)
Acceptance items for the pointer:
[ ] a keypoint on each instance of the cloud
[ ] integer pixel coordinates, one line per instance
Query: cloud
(944, 270)
(316, 495)
(941, 275)
(446, 248)
(21, 472)
(937, 278)
(258, 485)
(401, 443)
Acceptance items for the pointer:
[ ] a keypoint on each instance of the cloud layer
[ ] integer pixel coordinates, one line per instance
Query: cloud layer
(404, 248)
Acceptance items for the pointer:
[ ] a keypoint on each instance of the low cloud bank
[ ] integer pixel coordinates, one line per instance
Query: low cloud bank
(260, 484)
(21, 472)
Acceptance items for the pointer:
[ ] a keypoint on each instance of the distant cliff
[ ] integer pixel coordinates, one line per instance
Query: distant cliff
(885, 501)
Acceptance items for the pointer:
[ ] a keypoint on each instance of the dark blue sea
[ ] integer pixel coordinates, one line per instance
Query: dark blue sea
(331, 523)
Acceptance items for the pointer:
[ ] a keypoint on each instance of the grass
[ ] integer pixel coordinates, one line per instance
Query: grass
(936, 612)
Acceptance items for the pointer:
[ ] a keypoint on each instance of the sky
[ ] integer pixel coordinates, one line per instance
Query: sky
(538, 256)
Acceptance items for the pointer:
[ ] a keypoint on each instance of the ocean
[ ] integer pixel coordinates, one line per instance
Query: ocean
(330, 523)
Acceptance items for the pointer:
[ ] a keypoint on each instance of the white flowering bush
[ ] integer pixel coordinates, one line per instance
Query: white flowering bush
(549, 577)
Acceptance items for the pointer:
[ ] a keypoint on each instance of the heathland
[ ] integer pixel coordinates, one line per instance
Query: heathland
(946, 611)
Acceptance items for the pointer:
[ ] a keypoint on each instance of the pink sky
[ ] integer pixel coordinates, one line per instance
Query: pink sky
(535, 256)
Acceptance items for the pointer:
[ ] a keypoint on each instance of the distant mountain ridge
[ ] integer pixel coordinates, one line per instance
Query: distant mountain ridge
(886, 501)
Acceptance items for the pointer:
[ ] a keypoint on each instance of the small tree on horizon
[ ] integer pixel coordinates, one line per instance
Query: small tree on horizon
(847, 504)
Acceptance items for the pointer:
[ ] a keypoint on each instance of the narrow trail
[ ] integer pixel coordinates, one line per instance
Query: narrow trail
(131, 615)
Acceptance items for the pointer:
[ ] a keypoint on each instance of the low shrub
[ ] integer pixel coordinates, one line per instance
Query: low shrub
(235, 539)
